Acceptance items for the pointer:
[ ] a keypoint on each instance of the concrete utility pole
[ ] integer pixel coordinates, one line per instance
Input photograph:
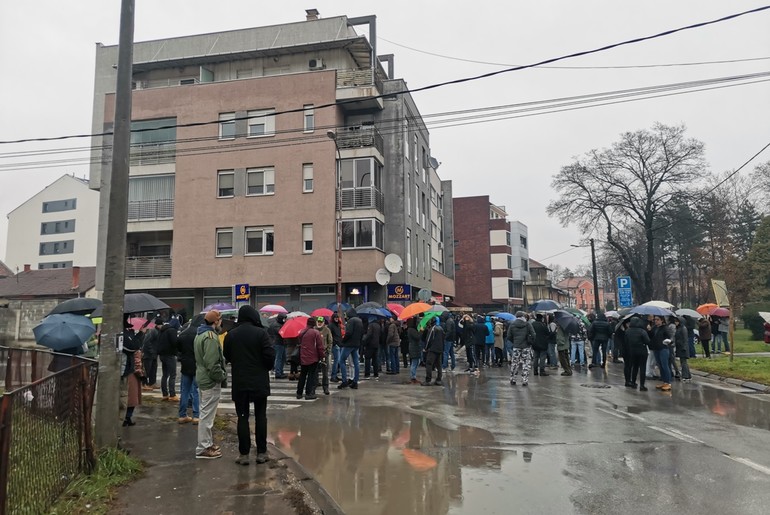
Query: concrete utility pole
(107, 411)
(596, 278)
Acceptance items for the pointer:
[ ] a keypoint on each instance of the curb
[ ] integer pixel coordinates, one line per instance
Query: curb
(761, 388)
(320, 496)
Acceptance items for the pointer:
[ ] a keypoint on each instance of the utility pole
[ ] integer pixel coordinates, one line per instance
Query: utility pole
(596, 278)
(107, 411)
(338, 224)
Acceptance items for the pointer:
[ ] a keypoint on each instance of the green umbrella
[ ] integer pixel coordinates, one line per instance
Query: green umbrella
(426, 318)
(578, 313)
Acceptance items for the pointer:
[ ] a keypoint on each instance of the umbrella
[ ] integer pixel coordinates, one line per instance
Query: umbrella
(544, 305)
(224, 312)
(505, 315)
(438, 308)
(219, 306)
(63, 331)
(373, 311)
(344, 305)
(765, 316)
(426, 318)
(705, 309)
(395, 308)
(652, 310)
(293, 327)
(567, 321)
(612, 314)
(418, 460)
(139, 322)
(78, 306)
(659, 304)
(295, 314)
(720, 312)
(413, 309)
(273, 308)
(580, 314)
(684, 312)
(142, 302)
(322, 312)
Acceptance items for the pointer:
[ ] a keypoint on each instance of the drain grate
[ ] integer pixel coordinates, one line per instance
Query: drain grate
(595, 385)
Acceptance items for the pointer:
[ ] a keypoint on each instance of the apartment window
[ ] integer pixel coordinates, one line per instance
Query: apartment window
(58, 264)
(153, 141)
(225, 242)
(307, 178)
(425, 260)
(510, 262)
(424, 161)
(523, 241)
(362, 234)
(309, 117)
(259, 241)
(260, 181)
(406, 138)
(407, 189)
(60, 205)
(307, 238)
(416, 201)
(227, 126)
(225, 183)
(524, 264)
(59, 227)
(424, 211)
(409, 250)
(261, 123)
(415, 149)
(508, 238)
(57, 247)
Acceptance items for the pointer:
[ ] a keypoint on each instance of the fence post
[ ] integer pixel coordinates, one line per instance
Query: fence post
(87, 403)
(6, 414)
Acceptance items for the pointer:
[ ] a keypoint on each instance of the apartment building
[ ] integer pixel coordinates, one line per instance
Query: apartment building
(250, 148)
(580, 293)
(491, 256)
(540, 285)
(55, 228)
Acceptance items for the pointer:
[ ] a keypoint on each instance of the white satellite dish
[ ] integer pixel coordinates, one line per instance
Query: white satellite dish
(382, 277)
(393, 263)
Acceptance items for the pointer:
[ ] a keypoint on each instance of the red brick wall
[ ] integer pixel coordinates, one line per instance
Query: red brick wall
(473, 276)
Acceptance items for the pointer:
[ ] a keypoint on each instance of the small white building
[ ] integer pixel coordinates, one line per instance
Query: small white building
(56, 228)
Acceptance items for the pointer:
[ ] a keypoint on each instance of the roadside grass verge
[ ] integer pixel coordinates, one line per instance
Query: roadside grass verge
(746, 368)
(744, 343)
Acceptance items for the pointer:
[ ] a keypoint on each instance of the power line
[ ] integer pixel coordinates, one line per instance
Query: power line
(450, 82)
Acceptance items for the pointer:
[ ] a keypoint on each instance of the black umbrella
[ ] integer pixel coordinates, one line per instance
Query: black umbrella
(544, 305)
(79, 306)
(567, 321)
(142, 302)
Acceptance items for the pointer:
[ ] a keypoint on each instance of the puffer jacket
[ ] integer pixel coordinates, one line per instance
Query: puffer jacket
(681, 349)
(541, 336)
(354, 331)
(434, 341)
(520, 332)
(600, 330)
(393, 339)
(637, 338)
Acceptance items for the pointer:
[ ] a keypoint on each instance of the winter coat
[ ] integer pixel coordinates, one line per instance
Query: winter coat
(434, 341)
(562, 339)
(600, 330)
(372, 337)
(480, 332)
(167, 341)
(393, 339)
(336, 333)
(659, 333)
(328, 338)
(150, 343)
(354, 331)
(415, 344)
(499, 335)
(521, 334)
(311, 346)
(636, 336)
(490, 339)
(251, 354)
(467, 333)
(185, 343)
(704, 330)
(681, 349)
(209, 361)
(450, 328)
(541, 336)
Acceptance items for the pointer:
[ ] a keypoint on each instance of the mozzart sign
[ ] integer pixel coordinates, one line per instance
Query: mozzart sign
(399, 292)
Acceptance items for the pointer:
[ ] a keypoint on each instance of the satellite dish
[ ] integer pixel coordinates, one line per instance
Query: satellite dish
(393, 263)
(382, 277)
(424, 295)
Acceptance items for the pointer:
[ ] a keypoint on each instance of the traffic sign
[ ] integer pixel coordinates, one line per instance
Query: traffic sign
(625, 296)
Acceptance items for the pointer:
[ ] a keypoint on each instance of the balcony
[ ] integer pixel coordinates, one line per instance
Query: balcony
(143, 154)
(148, 267)
(358, 89)
(362, 198)
(148, 210)
(360, 137)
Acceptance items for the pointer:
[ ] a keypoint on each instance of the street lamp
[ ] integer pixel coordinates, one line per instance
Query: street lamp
(593, 270)
(338, 221)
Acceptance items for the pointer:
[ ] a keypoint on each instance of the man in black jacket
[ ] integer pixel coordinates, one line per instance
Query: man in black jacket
(434, 349)
(167, 350)
(351, 342)
(188, 386)
(599, 334)
(251, 354)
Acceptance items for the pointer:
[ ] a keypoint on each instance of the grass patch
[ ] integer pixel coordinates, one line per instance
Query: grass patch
(746, 368)
(94, 493)
(744, 342)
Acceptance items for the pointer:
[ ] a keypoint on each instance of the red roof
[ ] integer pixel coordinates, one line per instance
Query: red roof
(571, 283)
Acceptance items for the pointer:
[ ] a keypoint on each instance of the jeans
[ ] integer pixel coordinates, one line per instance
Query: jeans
(599, 352)
(393, 359)
(189, 387)
(449, 355)
(413, 369)
(479, 355)
(280, 359)
(552, 355)
(578, 348)
(508, 350)
(353, 353)
(209, 403)
(308, 374)
(691, 346)
(336, 365)
(168, 379)
(242, 401)
(717, 342)
(665, 370)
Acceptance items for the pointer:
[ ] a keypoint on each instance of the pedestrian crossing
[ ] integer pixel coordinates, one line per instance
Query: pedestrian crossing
(283, 396)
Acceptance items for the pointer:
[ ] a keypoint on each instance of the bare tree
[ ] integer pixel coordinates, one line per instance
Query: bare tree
(622, 191)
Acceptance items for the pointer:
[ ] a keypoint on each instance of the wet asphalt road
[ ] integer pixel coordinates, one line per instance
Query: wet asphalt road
(562, 445)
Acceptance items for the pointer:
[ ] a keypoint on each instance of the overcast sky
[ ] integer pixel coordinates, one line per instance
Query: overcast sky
(48, 49)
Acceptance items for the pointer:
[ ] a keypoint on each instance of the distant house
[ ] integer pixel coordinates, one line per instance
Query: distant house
(27, 297)
(580, 293)
(5, 271)
(540, 285)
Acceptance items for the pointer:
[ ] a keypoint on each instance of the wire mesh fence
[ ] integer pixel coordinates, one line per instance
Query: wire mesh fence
(45, 427)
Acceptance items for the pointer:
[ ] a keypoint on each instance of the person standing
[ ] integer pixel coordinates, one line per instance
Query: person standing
(150, 357)
(553, 360)
(328, 339)
(480, 333)
(637, 340)
(540, 345)
(209, 372)
(415, 348)
(467, 338)
(659, 346)
(499, 334)
(132, 373)
(311, 352)
(188, 386)
(681, 348)
(562, 347)
(167, 351)
(336, 331)
(599, 334)
(251, 355)
(704, 335)
(434, 348)
(450, 336)
(393, 342)
(372, 349)
(351, 342)
(278, 344)
(522, 335)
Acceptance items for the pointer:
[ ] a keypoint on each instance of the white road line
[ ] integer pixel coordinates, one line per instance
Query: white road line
(676, 434)
(749, 463)
(613, 413)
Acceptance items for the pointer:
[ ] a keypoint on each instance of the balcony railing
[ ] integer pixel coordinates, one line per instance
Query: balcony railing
(363, 198)
(356, 78)
(147, 267)
(145, 210)
(360, 137)
(153, 153)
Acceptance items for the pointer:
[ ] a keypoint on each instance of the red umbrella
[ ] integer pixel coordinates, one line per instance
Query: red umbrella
(322, 312)
(293, 327)
(395, 308)
(720, 312)
(138, 322)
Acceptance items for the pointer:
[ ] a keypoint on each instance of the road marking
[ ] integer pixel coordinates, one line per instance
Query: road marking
(613, 413)
(676, 434)
(749, 463)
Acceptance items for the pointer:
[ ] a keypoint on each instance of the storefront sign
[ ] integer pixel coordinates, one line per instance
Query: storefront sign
(399, 292)
(242, 293)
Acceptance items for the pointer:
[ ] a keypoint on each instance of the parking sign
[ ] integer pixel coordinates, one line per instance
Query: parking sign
(625, 297)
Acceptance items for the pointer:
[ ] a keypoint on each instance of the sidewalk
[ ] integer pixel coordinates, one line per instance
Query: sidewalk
(175, 482)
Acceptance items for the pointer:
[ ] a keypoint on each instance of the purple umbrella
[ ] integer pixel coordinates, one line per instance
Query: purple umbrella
(219, 306)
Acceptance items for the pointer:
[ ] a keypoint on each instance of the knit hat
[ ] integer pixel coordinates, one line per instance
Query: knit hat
(212, 316)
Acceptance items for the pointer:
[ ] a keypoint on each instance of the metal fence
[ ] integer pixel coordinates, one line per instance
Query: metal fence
(45, 426)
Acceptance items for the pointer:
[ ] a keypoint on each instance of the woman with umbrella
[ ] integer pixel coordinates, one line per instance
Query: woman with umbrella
(659, 346)
(132, 371)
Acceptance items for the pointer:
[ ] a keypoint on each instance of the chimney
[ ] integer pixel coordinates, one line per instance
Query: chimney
(27, 268)
(311, 14)
(75, 277)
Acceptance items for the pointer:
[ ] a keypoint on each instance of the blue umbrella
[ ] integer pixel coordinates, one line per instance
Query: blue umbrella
(333, 306)
(652, 310)
(63, 331)
(505, 316)
(373, 311)
(544, 305)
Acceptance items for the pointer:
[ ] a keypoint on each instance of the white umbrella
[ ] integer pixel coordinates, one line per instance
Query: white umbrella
(295, 314)
(684, 312)
(765, 315)
(659, 304)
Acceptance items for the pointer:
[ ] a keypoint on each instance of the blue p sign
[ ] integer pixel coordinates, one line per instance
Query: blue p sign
(624, 282)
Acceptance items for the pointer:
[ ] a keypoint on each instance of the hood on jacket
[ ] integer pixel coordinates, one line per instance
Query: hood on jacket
(351, 313)
(249, 314)
(637, 322)
(601, 316)
(203, 328)
(519, 323)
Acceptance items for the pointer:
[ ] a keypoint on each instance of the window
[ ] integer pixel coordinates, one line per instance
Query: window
(406, 138)
(259, 241)
(309, 118)
(407, 189)
(409, 250)
(227, 126)
(57, 247)
(58, 264)
(510, 262)
(225, 242)
(424, 161)
(523, 241)
(261, 123)
(260, 181)
(60, 205)
(59, 227)
(307, 178)
(415, 149)
(225, 183)
(153, 141)
(424, 211)
(524, 264)
(417, 201)
(508, 238)
(307, 238)
(362, 234)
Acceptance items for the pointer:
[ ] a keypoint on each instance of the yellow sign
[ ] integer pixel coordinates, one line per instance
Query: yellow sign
(720, 293)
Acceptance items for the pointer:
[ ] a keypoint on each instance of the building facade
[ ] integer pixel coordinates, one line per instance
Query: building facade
(491, 256)
(540, 285)
(247, 161)
(56, 228)
(580, 293)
